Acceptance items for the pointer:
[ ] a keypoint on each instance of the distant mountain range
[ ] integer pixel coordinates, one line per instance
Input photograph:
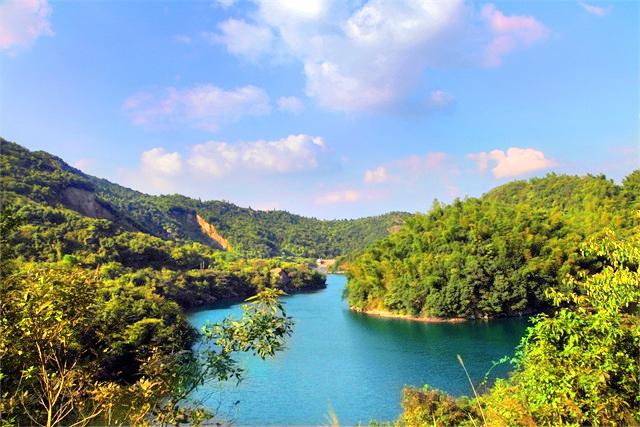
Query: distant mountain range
(43, 178)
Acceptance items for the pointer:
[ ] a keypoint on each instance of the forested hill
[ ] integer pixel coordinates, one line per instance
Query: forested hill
(44, 178)
(494, 255)
(94, 281)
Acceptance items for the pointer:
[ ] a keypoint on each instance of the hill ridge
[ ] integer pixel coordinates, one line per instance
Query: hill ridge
(45, 178)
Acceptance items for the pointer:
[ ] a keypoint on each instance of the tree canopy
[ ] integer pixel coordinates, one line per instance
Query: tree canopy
(577, 366)
(43, 178)
(494, 255)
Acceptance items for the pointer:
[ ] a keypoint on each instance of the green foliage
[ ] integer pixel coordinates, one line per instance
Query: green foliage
(64, 333)
(494, 255)
(168, 381)
(262, 331)
(430, 407)
(582, 365)
(92, 300)
(579, 366)
(75, 348)
(190, 273)
(45, 179)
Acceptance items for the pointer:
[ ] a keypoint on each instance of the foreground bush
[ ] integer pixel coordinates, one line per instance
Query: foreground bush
(74, 351)
(580, 366)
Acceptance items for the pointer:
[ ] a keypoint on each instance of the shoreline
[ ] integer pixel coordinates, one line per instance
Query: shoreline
(226, 302)
(388, 314)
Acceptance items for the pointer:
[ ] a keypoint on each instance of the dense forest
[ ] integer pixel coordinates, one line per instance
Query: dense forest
(96, 279)
(43, 178)
(92, 319)
(494, 255)
(578, 366)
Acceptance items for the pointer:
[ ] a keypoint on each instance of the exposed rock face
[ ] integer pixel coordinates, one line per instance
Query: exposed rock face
(324, 264)
(211, 231)
(84, 202)
(394, 228)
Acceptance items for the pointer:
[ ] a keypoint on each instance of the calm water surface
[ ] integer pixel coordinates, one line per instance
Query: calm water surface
(353, 363)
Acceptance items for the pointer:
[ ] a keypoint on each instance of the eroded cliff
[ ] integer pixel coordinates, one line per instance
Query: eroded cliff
(211, 231)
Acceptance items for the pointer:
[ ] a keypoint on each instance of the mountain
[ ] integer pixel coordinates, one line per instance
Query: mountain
(43, 178)
(95, 280)
(494, 255)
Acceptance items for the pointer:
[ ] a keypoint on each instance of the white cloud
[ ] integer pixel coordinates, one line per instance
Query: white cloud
(204, 107)
(242, 38)
(200, 165)
(377, 54)
(509, 33)
(595, 10)
(284, 10)
(159, 171)
(290, 104)
(294, 153)
(514, 162)
(23, 21)
(333, 197)
(158, 161)
(481, 160)
(378, 175)
(367, 56)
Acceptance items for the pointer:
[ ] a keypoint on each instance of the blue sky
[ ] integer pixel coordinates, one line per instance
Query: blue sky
(328, 109)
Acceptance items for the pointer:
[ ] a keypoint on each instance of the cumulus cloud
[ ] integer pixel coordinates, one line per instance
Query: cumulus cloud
(344, 196)
(290, 104)
(595, 10)
(368, 56)
(159, 171)
(376, 56)
(294, 153)
(158, 161)
(204, 107)
(509, 33)
(514, 162)
(241, 38)
(376, 176)
(23, 21)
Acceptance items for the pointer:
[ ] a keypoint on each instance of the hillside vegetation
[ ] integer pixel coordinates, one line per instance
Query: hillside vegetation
(92, 319)
(494, 255)
(578, 366)
(43, 178)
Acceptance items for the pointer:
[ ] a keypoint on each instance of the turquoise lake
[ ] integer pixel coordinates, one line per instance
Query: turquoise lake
(353, 363)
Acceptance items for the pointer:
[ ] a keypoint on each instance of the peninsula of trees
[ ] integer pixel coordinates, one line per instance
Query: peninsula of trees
(494, 255)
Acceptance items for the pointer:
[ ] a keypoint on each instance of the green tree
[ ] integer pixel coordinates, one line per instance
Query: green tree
(582, 365)
(579, 366)
(53, 352)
